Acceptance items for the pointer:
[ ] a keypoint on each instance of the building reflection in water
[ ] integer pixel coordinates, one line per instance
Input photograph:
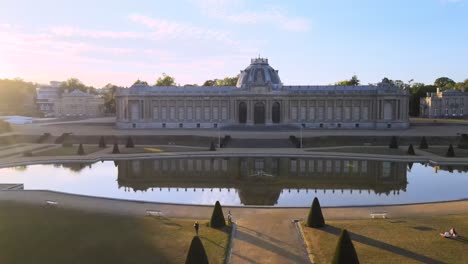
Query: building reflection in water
(260, 181)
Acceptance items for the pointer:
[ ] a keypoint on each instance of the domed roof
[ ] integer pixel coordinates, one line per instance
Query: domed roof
(259, 73)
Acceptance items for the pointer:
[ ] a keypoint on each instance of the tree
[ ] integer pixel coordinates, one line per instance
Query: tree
(129, 143)
(165, 80)
(102, 142)
(109, 97)
(210, 83)
(140, 82)
(393, 143)
(450, 151)
(444, 83)
(354, 81)
(80, 150)
(315, 217)
(423, 144)
(116, 150)
(18, 97)
(75, 84)
(227, 81)
(196, 253)
(345, 252)
(411, 150)
(217, 218)
(387, 81)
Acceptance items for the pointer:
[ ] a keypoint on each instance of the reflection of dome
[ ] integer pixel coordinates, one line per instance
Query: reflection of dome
(259, 73)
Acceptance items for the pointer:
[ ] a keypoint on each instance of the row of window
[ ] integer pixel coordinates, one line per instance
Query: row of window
(331, 113)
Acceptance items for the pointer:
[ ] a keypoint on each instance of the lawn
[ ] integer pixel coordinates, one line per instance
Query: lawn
(368, 150)
(414, 240)
(67, 151)
(441, 151)
(40, 234)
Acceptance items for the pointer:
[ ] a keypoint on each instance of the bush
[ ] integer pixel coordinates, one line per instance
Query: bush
(296, 142)
(196, 253)
(129, 143)
(115, 150)
(80, 150)
(345, 252)
(423, 144)
(102, 142)
(225, 141)
(212, 146)
(450, 151)
(411, 150)
(217, 218)
(393, 143)
(315, 217)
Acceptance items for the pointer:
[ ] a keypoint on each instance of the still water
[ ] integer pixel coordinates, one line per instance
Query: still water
(250, 181)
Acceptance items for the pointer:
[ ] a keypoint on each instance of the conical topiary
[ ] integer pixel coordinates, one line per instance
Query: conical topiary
(345, 252)
(116, 150)
(102, 142)
(217, 218)
(450, 151)
(80, 150)
(212, 146)
(129, 143)
(196, 253)
(393, 143)
(315, 217)
(411, 150)
(423, 144)
(410, 166)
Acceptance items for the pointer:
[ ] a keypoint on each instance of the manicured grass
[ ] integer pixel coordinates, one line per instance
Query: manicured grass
(442, 150)
(40, 234)
(438, 120)
(369, 150)
(67, 151)
(414, 240)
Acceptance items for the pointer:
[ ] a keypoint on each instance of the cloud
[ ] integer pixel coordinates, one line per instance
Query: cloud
(69, 31)
(227, 11)
(164, 29)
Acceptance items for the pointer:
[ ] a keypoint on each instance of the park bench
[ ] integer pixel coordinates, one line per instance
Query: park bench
(51, 203)
(153, 212)
(378, 214)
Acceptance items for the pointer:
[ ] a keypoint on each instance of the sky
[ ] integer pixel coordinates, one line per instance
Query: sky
(310, 42)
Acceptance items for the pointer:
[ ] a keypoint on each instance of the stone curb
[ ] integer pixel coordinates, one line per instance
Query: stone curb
(306, 243)
(231, 243)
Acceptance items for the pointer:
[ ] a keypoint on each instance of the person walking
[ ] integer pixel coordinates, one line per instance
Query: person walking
(229, 217)
(196, 226)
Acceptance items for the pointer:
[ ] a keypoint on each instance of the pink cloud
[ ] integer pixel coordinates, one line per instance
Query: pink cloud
(69, 31)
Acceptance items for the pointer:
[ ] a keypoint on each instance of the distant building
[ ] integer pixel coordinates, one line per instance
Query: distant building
(46, 97)
(445, 104)
(78, 103)
(261, 99)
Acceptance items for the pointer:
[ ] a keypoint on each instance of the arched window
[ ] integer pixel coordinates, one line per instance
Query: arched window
(242, 113)
(259, 113)
(276, 113)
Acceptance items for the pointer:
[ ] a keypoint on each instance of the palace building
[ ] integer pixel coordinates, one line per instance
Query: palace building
(261, 99)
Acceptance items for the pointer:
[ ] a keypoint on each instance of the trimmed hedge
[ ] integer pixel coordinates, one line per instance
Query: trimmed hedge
(196, 253)
(129, 143)
(315, 217)
(80, 150)
(345, 253)
(212, 146)
(115, 150)
(450, 151)
(411, 150)
(102, 142)
(217, 218)
(393, 143)
(423, 144)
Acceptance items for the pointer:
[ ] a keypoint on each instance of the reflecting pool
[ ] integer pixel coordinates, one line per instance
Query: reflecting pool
(249, 181)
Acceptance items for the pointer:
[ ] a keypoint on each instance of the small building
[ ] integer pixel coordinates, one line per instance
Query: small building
(46, 97)
(79, 103)
(444, 104)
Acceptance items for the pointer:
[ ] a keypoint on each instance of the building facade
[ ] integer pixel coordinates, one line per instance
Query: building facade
(260, 98)
(78, 103)
(46, 97)
(444, 104)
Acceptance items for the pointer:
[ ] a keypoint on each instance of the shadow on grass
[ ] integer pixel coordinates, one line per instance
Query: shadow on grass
(423, 228)
(382, 245)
